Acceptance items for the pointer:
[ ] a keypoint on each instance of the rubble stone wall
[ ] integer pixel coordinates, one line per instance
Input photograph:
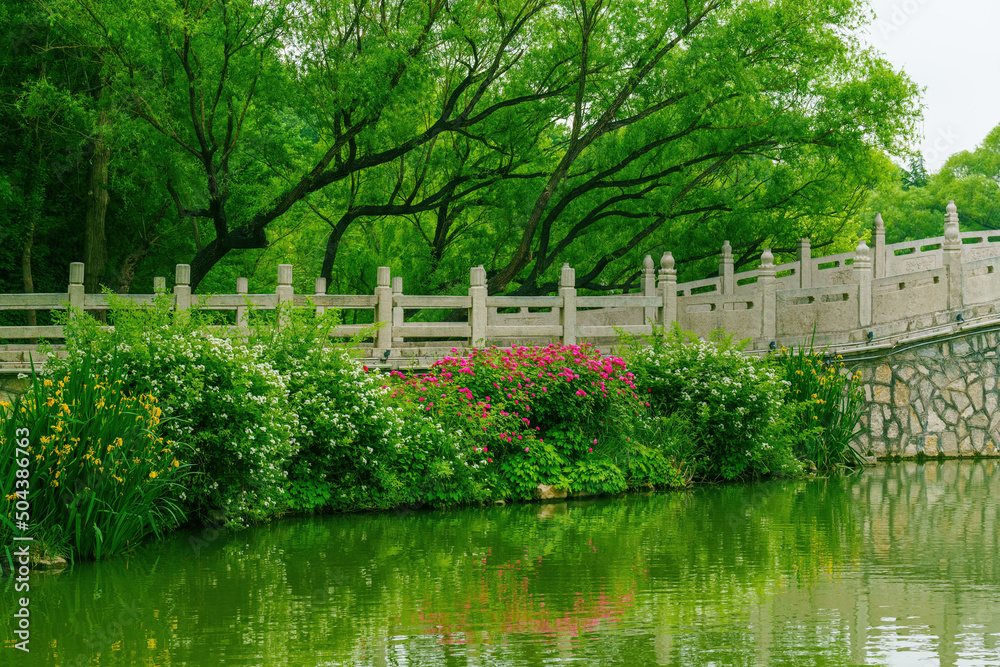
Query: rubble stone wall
(935, 398)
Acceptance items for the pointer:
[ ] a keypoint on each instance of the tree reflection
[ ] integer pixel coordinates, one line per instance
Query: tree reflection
(841, 570)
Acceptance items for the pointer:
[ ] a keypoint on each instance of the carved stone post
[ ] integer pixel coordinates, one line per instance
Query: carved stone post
(477, 314)
(668, 289)
(863, 276)
(285, 292)
(319, 288)
(879, 257)
(159, 285)
(182, 287)
(648, 288)
(397, 311)
(769, 293)
(567, 314)
(804, 255)
(726, 269)
(953, 257)
(242, 287)
(383, 310)
(75, 291)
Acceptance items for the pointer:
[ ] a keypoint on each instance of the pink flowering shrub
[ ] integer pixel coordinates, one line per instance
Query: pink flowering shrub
(555, 415)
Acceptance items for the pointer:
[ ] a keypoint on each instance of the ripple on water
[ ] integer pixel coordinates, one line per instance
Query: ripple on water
(893, 566)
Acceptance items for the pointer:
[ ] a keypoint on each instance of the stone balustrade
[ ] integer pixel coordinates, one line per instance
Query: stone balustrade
(869, 295)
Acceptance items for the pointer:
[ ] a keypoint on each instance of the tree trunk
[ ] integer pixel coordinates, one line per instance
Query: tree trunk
(332, 244)
(95, 242)
(29, 284)
(33, 207)
(131, 262)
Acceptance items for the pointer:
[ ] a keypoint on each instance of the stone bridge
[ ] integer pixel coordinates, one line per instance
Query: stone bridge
(919, 319)
(932, 397)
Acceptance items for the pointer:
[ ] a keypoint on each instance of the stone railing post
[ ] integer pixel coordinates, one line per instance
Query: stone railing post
(75, 290)
(319, 289)
(182, 287)
(726, 269)
(397, 311)
(668, 289)
(383, 310)
(953, 257)
(804, 255)
(285, 293)
(567, 314)
(242, 288)
(863, 276)
(768, 292)
(649, 289)
(880, 259)
(477, 314)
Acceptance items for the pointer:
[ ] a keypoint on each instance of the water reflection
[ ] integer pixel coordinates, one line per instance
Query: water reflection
(894, 566)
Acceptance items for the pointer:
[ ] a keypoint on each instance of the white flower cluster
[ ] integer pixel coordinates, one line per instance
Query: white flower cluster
(226, 401)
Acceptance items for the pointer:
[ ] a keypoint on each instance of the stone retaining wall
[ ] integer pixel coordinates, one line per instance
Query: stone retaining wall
(11, 385)
(934, 398)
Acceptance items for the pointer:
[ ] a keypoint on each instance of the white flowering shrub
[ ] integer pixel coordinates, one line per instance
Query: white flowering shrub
(733, 402)
(345, 432)
(222, 398)
(439, 463)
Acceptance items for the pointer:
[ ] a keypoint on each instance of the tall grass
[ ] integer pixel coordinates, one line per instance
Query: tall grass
(829, 405)
(101, 478)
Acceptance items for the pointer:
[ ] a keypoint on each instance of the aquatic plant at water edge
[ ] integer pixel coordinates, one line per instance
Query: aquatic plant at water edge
(102, 473)
(829, 401)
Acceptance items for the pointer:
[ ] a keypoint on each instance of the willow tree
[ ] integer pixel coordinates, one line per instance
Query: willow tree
(758, 121)
(578, 129)
(220, 79)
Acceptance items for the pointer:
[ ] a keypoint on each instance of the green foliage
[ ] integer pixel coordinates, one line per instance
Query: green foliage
(731, 401)
(912, 202)
(102, 474)
(659, 449)
(440, 463)
(242, 135)
(670, 433)
(539, 463)
(828, 402)
(345, 431)
(532, 411)
(596, 477)
(223, 396)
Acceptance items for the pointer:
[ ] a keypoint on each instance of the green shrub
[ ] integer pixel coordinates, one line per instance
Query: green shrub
(346, 431)
(222, 396)
(599, 476)
(559, 415)
(732, 402)
(450, 446)
(538, 463)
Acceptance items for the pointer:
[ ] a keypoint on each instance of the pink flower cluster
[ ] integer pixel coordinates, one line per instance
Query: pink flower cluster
(512, 396)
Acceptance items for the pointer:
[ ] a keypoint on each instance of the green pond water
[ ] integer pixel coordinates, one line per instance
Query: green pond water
(898, 565)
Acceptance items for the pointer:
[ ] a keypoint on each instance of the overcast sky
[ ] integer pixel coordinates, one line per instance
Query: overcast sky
(950, 48)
